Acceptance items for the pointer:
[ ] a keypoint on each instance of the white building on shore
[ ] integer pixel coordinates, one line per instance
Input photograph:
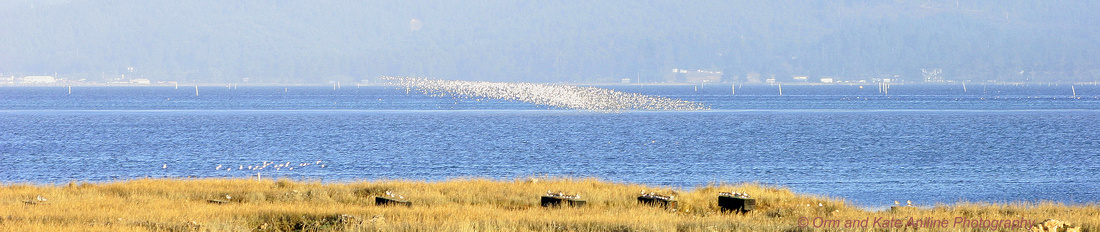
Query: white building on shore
(39, 80)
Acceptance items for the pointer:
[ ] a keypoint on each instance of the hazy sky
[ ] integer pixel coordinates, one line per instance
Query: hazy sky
(595, 41)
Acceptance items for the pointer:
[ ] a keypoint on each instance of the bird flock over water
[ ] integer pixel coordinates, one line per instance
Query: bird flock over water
(270, 165)
(264, 166)
(552, 95)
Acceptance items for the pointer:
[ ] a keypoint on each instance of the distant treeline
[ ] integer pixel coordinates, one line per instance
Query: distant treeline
(550, 41)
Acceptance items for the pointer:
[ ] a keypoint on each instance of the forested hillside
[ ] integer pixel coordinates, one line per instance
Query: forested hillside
(549, 41)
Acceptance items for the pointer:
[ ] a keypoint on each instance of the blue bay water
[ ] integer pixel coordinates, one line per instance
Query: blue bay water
(926, 143)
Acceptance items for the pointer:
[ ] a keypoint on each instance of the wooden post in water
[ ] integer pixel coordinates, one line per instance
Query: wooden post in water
(70, 89)
(196, 90)
(780, 89)
(733, 89)
(1074, 90)
(964, 87)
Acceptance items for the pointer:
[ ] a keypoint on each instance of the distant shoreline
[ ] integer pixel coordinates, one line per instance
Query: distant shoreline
(345, 85)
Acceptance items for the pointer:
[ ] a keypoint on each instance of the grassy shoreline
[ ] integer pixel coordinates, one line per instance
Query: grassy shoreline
(474, 205)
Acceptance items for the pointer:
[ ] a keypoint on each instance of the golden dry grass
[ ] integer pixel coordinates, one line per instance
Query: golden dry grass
(456, 205)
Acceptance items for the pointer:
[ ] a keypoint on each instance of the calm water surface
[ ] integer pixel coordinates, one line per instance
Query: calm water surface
(923, 143)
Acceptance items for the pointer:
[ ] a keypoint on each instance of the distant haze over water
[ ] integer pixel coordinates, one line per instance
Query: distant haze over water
(297, 41)
(921, 143)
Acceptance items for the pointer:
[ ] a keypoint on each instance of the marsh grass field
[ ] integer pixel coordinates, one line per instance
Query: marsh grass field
(465, 205)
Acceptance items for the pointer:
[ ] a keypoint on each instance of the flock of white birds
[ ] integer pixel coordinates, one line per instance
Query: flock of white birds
(552, 95)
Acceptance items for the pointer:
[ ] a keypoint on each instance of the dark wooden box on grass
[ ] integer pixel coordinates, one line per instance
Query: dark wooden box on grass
(670, 204)
(391, 201)
(551, 201)
(737, 204)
